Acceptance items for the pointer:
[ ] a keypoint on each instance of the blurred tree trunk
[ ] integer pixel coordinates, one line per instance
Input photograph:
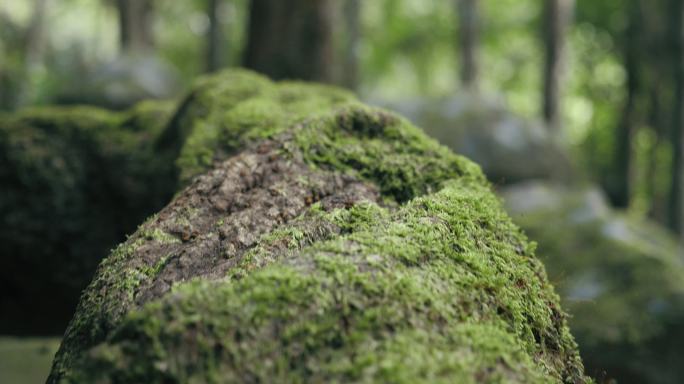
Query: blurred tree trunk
(658, 122)
(291, 39)
(352, 21)
(620, 188)
(35, 35)
(677, 188)
(135, 24)
(469, 36)
(558, 15)
(215, 38)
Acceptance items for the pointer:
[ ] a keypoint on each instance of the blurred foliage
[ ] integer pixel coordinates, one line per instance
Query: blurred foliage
(408, 48)
(26, 361)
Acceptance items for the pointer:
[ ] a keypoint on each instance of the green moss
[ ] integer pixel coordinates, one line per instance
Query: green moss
(434, 285)
(444, 289)
(74, 181)
(159, 235)
(233, 115)
(381, 147)
(622, 281)
(331, 129)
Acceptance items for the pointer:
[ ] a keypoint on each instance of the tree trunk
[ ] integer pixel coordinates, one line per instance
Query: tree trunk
(135, 24)
(215, 38)
(676, 199)
(469, 37)
(291, 40)
(352, 19)
(656, 120)
(620, 187)
(557, 19)
(35, 36)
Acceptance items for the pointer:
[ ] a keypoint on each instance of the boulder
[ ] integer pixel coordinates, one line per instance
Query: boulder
(121, 83)
(74, 182)
(509, 148)
(317, 240)
(620, 278)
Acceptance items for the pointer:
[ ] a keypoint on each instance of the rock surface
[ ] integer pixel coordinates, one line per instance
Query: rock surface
(621, 279)
(322, 240)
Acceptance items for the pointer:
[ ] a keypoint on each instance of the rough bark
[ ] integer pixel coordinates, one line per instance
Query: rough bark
(469, 37)
(323, 241)
(135, 25)
(291, 40)
(557, 19)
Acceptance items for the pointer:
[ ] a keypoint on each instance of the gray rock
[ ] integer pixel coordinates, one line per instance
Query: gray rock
(621, 279)
(507, 147)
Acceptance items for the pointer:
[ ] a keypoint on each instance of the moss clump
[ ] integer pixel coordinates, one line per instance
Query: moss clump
(74, 182)
(444, 289)
(226, 111)
(426, 281)
(621, 279)
(330, 127)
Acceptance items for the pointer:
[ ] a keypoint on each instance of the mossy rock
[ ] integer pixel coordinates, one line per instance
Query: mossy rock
(74, 182)
(620, 278)
(322, 241)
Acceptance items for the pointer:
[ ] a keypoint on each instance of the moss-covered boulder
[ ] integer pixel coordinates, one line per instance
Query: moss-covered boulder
(322, 240)
(621, 279)
(509, 148)
(74, 182)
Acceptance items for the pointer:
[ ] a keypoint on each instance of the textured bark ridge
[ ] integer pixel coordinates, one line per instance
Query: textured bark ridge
(322, 241)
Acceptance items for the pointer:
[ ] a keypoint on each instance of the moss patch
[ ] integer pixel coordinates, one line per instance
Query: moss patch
(621, 279)
(74, 182)
(436, 277)
(323, 278)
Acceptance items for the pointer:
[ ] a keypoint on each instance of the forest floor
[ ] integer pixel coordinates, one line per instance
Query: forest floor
(26, 360)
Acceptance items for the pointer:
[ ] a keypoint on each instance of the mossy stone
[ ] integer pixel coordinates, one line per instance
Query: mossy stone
(75, 181)
(621, 279)
(322, 240)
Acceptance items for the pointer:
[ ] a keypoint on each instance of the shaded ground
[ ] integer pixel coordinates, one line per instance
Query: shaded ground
(26, 360)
